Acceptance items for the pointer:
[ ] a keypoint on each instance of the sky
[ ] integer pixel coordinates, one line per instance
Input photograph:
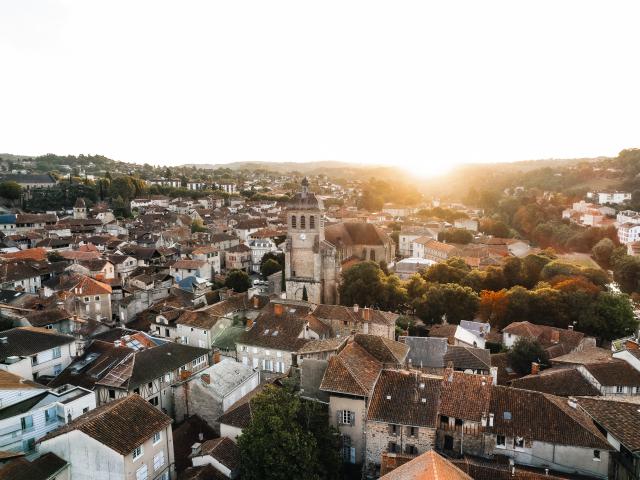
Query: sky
(419, 84)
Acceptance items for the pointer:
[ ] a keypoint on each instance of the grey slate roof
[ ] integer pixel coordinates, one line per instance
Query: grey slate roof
(427, 352)
(26, 341)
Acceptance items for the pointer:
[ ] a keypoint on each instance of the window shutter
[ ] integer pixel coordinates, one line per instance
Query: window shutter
(339, 417)
(352, 418)
(353, 455)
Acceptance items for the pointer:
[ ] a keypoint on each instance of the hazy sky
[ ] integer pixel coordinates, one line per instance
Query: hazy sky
(419, 84)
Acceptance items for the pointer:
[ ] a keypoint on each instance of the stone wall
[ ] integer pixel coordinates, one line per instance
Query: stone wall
(379, 436)
(194, 398)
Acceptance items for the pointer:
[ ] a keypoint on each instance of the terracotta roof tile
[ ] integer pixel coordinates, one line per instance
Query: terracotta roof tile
(111, 424)
(406, 398)
(518, 413)
(564, 382)
(353, 371)
(428, 466)
(621, 419)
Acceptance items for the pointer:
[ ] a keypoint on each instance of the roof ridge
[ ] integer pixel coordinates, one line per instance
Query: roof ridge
(474, 354)
(353, 375)
(567, 410)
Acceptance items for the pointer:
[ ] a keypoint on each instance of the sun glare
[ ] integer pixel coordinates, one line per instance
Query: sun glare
(428, 169)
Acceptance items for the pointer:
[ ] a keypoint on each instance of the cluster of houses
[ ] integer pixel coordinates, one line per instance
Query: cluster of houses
(123, 357)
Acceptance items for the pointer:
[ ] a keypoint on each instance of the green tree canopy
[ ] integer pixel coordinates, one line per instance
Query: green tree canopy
(270, 267)
(455, 235)
(307, 446)
(524, 353)
(363, 284)
(449, 299)
(10, 190)
(237, 280)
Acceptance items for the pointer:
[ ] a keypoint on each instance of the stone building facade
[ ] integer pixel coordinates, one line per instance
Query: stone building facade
(393, 438)
(311, 267)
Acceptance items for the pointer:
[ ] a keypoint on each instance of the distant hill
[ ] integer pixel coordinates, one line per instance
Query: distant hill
(330, 168)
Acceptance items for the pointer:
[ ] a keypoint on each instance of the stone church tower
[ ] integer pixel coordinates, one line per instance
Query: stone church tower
(310, 261)
(80, 209)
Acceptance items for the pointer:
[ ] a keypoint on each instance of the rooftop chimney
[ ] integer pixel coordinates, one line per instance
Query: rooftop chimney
(535, 368)
(278, 308)
(366, 314)
(356, 308)
(249, 323)
(573, 403)
(206, 378)
(570, 327)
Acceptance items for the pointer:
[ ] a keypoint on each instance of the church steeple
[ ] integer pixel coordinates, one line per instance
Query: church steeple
(305, 187)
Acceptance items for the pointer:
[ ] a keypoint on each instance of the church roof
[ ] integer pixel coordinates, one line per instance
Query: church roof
(355, 233)
(305, 201)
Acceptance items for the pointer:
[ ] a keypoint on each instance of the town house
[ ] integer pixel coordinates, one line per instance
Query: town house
(402, 415)
(151, 372)
(128, 439)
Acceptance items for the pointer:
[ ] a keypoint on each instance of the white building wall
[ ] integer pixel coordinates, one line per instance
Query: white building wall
(89, 459)
(209, 460)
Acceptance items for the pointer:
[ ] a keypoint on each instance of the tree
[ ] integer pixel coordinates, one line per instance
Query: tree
(122, 187)
(362, 284)
(277, 257)
(451, 271)
(518, 306)
(197, 226)
(614, 317)
(451, 300)
(493, 227)
(10, 190)
(270, 267)
(307, 445)
(513, 271)
(395, 294)
(626, 271)
(305, 295)
(237, 280)
(525, 352)
(493, 308)
(602, 251)
(455, 235)
(416, 286)
(371, 201)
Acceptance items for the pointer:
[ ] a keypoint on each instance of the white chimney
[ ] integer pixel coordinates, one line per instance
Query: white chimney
(491, 415)
(355, 307)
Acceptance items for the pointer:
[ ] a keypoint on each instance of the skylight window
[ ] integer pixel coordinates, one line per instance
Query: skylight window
(507, 415)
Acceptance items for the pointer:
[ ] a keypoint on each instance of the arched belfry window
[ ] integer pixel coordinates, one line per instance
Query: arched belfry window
(312, 221)
(293, 221)
(303, 224)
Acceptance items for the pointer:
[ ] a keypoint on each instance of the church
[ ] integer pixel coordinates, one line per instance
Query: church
(314, 255)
